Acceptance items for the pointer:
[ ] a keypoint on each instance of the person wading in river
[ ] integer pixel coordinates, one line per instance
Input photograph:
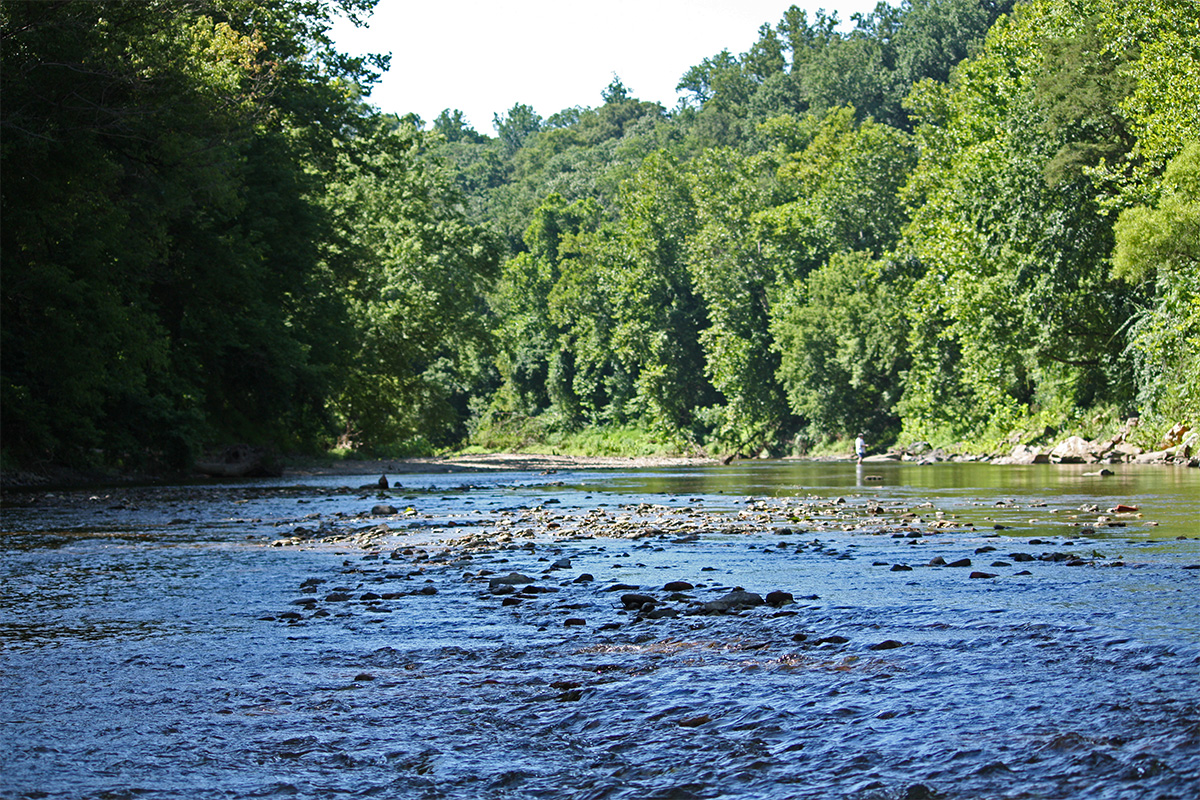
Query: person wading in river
(860, 448)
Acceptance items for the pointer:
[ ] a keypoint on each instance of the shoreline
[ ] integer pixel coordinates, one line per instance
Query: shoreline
(62, 477)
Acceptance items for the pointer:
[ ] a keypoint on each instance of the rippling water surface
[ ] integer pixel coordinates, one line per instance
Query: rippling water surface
(288, 638)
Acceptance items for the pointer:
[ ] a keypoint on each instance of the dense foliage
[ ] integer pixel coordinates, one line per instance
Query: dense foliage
(953, 220)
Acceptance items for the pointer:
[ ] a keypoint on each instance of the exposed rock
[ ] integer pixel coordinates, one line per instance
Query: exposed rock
(734, 600)
(636, 601)
(1074, 450)
(1175, 435)
(982, 575)
(383, 510)
(776, 599)
(511, 579)
(678, 586)
(889, 644)
(1023, 454)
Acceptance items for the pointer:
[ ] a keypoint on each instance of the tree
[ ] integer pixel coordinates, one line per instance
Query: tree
(843, 347)
(1160, 244)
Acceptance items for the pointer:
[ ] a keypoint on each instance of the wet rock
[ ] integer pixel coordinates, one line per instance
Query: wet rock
(982, 575)
(777, 599)
(621, 587)
(573, 622)
(636, 601)
(835, 639)
(919, 791)
(678, 586)
(962, 562)
(511, 579)
(937, 561)
(900, 568)
(337, 597)
(586, 577)
(1021, 557)
(660, 612)
(733, 601)
(383, 510)
(695, 722)
(504, 588)
(562, 563)
(889, 644)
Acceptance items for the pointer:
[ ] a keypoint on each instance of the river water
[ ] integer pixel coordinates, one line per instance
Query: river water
(311, 638)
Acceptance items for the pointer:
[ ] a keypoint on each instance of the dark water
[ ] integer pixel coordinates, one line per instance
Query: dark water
(154, 643)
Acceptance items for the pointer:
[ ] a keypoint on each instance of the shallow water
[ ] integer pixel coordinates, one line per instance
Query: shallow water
(154, 643)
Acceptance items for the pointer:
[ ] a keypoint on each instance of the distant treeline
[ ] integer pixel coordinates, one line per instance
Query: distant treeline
(957, 220)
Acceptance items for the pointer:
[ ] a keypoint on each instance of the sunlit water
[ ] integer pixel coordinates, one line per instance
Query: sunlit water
(154, 643)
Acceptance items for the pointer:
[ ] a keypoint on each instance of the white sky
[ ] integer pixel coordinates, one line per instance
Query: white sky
(483, 57)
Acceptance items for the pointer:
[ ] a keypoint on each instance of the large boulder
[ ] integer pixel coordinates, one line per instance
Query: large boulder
(1024, 454)
(1074, 450)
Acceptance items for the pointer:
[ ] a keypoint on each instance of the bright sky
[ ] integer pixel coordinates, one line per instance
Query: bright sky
(484, 56)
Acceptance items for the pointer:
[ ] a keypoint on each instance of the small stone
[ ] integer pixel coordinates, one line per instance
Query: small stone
(982, 575)
(835, 639)
(635, 601)
(889, 644)
(900, 568)
(777, 598)
(511, 579)
(695, 722)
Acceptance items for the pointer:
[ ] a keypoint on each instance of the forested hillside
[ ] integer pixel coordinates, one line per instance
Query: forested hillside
(954, 220)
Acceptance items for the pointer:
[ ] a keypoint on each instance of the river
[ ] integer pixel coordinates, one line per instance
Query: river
(512, 635)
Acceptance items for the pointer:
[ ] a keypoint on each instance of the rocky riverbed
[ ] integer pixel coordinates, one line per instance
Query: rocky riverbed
(633, 633)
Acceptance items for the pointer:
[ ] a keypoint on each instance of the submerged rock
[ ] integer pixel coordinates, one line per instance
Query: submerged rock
(737, 599)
